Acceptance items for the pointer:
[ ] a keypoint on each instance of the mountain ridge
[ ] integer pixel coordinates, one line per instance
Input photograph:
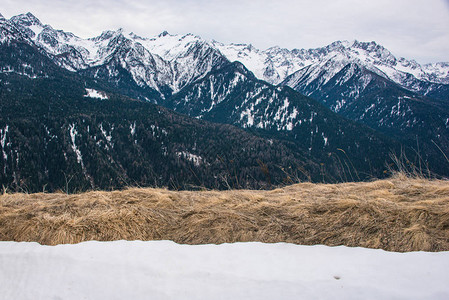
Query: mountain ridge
(272, 65)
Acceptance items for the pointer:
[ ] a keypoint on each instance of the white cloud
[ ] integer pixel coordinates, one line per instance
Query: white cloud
(410, 28)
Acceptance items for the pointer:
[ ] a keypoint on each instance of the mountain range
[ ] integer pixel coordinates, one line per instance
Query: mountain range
(345, 106)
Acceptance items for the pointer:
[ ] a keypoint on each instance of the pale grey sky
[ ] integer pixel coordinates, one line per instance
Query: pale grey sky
(415, 29)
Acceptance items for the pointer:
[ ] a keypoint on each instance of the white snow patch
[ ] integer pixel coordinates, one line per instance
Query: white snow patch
(312, 115)
(249, 115)
(8, 69)
(165, 270)
(325, 139)
(105, 134)
(96, 94)
(339, 105)
(73, 132)
(3, 133)
(370, 107)
(235, 81)
(289, 125)
(196, 159)
(132, 127)
(37, 29)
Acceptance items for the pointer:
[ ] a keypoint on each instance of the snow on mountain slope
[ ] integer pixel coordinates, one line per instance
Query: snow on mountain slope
(91, 93)
(315, 76)
(359, 94)
(428, 80)
(190, 57)
(177, 60)
(168, 46)
(275, 64)
(233, 95)
(146, 69)
(440, 70)
(82, 52)
(255, 60)
(165, 270)
(181, 66)
(8, 32)
(75, 54)
(54, 42)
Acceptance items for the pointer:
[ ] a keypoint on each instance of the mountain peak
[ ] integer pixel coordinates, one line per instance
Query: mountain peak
(368, 46)
(164, 33)
(136, 37)
(27, 19)
(2, 17)
(339, 45)
(31, 16)
(192, 36)
(107, 34)
(250, 47)
(274, 48)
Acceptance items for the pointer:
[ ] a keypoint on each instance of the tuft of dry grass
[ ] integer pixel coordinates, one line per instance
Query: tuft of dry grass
(398, 214)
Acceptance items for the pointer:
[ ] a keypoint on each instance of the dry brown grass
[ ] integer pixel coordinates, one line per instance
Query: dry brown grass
(399, 214)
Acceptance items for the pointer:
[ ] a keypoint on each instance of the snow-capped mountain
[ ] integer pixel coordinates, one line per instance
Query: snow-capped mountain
(328, 61)
(365, 95)
(275, 64)
(173, 61)
(189, 56)
(115, 52)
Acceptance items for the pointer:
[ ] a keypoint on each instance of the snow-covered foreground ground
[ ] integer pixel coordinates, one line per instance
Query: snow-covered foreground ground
(165, 270)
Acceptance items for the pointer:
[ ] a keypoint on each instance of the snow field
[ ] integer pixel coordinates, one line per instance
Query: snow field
(165, 270)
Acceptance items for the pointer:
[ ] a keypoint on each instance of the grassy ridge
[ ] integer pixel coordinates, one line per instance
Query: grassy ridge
(398, 214)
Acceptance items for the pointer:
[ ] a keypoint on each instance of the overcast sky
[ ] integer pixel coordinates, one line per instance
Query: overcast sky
(415, 29)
